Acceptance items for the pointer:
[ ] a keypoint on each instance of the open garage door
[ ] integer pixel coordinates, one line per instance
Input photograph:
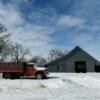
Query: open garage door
(97, 68)
(80, 66)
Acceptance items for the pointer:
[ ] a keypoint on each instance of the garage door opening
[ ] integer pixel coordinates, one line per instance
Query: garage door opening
(80, 66)
(97, 68)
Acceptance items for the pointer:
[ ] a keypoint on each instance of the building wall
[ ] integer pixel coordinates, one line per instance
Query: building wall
(53, 67)
(81, 56)
(68, 65)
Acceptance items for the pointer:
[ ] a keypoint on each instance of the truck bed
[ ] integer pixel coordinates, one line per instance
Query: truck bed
(11, 67)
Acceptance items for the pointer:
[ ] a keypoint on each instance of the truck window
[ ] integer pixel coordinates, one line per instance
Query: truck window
(36, 65)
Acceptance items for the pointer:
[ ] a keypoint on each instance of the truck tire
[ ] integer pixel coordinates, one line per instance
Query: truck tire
(14, 76)
(45, 77)
(39, 76)
(7, 76)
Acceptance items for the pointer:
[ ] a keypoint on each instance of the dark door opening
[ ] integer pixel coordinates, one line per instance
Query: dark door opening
(97, 68)
(58, 68)
(80, 66)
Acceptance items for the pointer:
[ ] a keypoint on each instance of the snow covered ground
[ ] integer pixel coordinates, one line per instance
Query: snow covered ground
(59, 86)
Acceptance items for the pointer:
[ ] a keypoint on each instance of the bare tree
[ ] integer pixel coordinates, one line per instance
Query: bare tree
(55, 54)
(38, 60)
(4, 43)
(2, 28)
(41, 61)
(18, 53)
(34, 59)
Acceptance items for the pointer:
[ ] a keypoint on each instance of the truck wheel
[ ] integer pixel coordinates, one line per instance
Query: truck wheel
(45, 77)
(7, 76)
(39, 76)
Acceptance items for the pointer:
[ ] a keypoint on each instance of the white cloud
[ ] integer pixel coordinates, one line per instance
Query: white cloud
(35, 37)
(9, 15)
(70, 21)
(83, 38)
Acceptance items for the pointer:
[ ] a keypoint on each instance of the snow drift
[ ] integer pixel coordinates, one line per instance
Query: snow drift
(59, 86)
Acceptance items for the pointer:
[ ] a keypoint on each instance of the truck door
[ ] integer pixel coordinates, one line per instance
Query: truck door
(29, 71)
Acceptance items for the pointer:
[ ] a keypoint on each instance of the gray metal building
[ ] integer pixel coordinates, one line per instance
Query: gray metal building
(77, 60)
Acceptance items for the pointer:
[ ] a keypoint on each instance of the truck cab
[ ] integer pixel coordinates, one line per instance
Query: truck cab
(33, 70)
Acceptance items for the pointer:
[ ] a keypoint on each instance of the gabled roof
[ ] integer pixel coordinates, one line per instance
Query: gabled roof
(71, 53)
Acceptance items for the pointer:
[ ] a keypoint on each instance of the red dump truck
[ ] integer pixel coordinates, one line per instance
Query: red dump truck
(13, 70)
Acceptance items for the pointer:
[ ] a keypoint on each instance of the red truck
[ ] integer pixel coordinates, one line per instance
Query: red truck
(13, 70)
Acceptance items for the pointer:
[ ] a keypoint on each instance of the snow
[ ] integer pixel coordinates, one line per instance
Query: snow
(58, 86)
(40, 68)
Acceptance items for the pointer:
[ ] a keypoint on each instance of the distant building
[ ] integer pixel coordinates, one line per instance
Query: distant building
(77, 60)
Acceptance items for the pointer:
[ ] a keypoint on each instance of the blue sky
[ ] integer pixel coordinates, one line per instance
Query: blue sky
(42, 25)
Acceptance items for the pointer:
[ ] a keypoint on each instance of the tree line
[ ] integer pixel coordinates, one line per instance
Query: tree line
(15, 52)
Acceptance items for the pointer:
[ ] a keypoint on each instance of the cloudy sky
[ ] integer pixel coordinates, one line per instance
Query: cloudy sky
(42, 25)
